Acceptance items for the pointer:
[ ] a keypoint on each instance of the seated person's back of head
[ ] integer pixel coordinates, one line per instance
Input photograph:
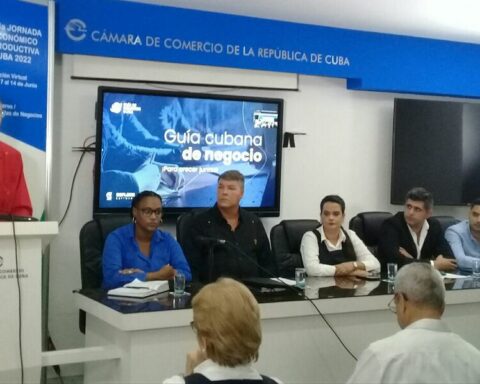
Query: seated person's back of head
(425, 350)
(226, 320)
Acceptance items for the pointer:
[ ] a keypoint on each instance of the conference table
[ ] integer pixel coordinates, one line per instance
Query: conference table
(147, 339)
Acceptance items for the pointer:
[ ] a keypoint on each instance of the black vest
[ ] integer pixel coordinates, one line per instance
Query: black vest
(347, 253)
(197, 378)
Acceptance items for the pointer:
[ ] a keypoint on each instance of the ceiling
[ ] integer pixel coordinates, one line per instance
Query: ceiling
(456, 20)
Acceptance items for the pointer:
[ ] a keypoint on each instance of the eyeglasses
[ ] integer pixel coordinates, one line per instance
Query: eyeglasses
(192, 325)
(392, 306)
(149, 211)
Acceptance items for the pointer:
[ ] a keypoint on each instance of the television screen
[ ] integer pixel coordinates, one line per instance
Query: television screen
(177, 144)
(435, 145)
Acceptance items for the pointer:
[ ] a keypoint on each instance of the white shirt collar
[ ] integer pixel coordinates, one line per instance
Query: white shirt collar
(341, 238)
(421, 239)
(430, 324)
(214, 371)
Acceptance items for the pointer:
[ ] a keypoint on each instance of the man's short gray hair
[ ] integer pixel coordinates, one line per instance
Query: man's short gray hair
(420, 194)
(421, 283)
(232, 175)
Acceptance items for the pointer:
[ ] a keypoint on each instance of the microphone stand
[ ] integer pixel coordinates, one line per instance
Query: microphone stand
(244, 255)
(211, 256)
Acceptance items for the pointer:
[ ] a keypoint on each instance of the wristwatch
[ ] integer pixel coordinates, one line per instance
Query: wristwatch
(355, 265)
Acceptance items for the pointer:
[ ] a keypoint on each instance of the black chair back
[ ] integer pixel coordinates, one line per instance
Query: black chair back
(184, 222)
(446, 221)
(92, 240)
(367, 227)
(286, 238)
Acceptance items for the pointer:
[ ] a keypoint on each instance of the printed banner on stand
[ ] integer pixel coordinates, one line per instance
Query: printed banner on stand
(23, 93)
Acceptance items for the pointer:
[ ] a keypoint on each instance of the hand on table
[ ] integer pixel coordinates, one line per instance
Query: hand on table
(344, 269)
(443, 264)
(165, 273)
(359, 273)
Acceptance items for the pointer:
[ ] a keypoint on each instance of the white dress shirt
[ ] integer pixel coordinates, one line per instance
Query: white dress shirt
(215, 372)
(424, 352)
(418, 241)
(309, 250)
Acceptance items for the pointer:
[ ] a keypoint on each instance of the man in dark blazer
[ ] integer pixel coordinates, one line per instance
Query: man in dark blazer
(412, 235)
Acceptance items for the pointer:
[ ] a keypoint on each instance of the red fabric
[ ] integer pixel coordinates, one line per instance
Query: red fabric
(14, 197)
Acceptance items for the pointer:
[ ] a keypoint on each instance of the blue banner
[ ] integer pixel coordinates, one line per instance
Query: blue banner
(23, 71)
(369, 61)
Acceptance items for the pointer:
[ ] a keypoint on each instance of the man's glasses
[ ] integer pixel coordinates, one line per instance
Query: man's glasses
(149, 212)
(192, 325)
(392, 306)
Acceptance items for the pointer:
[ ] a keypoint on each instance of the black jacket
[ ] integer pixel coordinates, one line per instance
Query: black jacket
(246, 247)
(395, 234)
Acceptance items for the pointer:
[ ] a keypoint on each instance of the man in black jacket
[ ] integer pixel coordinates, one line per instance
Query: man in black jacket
(412, 235)
(242, 244)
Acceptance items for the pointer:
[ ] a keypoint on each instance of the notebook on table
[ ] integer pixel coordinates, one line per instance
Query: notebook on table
(140, 289)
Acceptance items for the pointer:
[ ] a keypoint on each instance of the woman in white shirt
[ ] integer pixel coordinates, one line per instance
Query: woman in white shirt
(331, 250)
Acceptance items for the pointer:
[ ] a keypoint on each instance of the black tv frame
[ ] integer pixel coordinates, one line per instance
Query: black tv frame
(436, 151)
(273, 211)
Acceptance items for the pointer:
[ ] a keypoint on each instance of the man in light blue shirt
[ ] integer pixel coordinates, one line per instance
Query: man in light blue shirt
(464, 238)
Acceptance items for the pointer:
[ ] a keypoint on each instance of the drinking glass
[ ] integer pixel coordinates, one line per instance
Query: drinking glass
(300, 276)
(179, 284)
(476, 268)
(391, 271)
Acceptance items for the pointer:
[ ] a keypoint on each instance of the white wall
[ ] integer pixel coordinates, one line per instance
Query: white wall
(347, 151)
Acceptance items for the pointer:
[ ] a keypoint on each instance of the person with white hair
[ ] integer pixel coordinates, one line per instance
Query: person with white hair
(425, 350)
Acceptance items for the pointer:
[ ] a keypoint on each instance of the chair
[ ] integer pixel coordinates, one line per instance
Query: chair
(446, 221)
(367, 227)
(92, 240)
(285, 238)
(184, 222)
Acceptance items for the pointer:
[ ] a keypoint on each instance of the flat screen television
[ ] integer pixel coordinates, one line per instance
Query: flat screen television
(436, 146)
(177, 144)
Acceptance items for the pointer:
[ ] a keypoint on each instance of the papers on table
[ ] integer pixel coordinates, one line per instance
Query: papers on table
(453, 276)
(138, 288)
(283, 280)
(156, 285)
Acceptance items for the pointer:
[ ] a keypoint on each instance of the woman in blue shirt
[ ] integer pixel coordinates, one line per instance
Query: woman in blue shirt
(140, 250)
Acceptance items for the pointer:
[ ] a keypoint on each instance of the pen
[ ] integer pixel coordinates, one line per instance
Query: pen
(138, 287)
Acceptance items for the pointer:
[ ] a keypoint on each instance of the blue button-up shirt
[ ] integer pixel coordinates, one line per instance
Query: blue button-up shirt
(121, 251)
(464, 246)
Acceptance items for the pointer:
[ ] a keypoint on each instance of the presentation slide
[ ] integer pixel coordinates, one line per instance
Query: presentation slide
(178, 145)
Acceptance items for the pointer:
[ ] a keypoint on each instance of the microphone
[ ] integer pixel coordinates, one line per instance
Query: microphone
(205, 240)
(211, 243)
